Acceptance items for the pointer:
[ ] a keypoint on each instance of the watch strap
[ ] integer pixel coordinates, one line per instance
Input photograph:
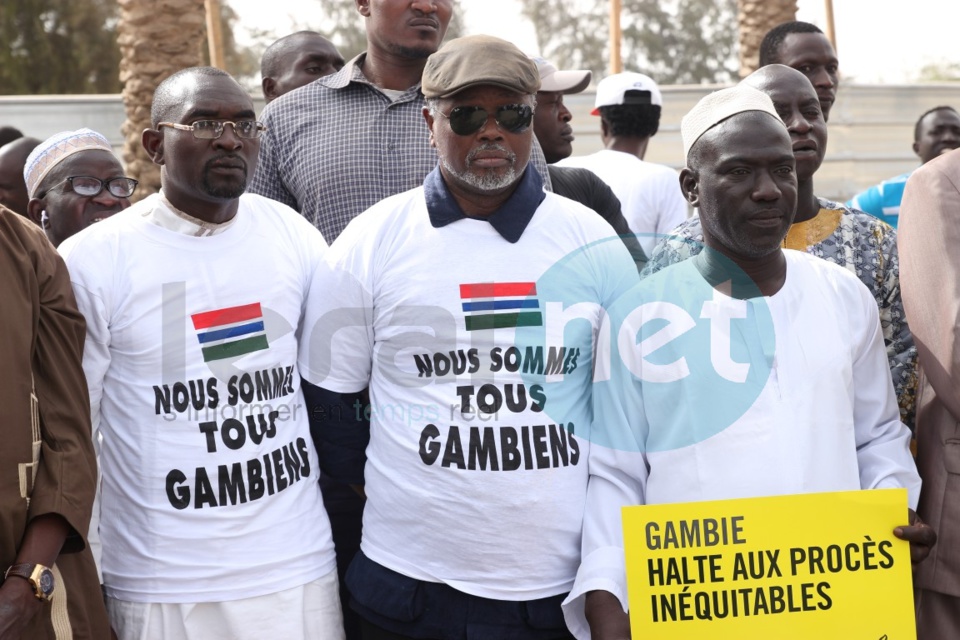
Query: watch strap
(24, 570)
(32, 573)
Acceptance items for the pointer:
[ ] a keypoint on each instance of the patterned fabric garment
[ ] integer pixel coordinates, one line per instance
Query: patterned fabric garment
(854, 240)
(339, 145)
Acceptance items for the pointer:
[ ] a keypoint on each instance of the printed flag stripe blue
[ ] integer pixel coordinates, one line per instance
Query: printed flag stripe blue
(230, 332)
(496, 305)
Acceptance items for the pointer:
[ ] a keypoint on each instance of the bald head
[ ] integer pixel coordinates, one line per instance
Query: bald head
(764, 77)
(170, 93)
(8, 135)
(296, 60)
(19, 149)
(798, 105)
(13, 189)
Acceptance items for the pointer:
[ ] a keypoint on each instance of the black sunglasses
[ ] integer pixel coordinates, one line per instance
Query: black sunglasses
(465, 121)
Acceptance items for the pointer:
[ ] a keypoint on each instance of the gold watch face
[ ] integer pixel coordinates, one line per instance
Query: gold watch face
(41, 578)
(45, 583)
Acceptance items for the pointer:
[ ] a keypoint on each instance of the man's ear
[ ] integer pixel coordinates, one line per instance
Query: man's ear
(152, 141)
(689, 181)
(430, 121)
(35, 210)
(363, 6)
(269, 87)
(916, 148)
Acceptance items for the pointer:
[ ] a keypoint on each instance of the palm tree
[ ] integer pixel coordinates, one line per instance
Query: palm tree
(755, 18)
(157, 38)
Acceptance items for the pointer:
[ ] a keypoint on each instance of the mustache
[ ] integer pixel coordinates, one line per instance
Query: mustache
(232, 157)
(490, 146)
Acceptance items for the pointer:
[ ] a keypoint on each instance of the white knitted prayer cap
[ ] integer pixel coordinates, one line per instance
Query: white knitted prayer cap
(55, 150)
(717, 107)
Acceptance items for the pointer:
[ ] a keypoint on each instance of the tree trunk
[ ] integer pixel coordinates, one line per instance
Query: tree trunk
(755, 18)
(156, 38)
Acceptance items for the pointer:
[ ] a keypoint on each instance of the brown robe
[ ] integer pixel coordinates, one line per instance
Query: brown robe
(42, 332)
(929, 244)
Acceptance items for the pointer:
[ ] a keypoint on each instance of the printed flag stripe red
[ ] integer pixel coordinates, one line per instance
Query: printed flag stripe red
(229, 315)
(500, 305)
(496, 289)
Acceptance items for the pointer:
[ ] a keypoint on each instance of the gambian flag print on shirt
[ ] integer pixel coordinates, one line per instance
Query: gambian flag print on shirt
(230, 332)
(498, 305)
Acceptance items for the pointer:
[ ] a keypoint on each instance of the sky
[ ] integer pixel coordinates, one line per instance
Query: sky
(878, 41)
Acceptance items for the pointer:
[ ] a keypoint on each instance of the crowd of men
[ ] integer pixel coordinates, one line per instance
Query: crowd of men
(345, 375)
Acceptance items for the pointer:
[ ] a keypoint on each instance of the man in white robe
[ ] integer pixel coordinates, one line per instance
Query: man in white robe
(729, 398)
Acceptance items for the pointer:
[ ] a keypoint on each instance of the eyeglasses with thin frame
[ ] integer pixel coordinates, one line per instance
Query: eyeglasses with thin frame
(465, 121)
(213, 129)
(89, 187)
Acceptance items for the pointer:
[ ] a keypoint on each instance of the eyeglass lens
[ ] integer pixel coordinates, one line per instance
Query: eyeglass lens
(512, 117)
(214, 128)
(88, 186)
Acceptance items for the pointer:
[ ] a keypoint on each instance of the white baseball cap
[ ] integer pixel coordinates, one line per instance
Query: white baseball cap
(552, 79)
(612, 90)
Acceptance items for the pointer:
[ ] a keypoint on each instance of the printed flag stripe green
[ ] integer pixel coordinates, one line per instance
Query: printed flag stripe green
(504, 320)
(233, 349)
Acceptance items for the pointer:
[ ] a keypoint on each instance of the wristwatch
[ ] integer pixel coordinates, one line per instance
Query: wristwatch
(39, 577)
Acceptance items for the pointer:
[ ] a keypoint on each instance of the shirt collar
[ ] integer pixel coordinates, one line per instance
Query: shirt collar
(510, 220)
(169, 217)
(352, 71)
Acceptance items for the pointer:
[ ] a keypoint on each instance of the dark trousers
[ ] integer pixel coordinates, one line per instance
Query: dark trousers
(345, 508)
(370, 631)
(397, 607)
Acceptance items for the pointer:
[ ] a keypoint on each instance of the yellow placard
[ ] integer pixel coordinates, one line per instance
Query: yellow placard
(822, 565)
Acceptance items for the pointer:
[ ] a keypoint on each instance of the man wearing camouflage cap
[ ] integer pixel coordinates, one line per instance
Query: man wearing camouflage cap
(474, 473)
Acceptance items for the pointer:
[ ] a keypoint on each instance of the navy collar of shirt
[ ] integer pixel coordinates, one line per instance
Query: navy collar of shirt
(510, 220)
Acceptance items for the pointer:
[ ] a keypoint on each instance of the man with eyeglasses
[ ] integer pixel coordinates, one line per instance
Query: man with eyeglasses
(449, 303)
(73, 181)
(212, 523)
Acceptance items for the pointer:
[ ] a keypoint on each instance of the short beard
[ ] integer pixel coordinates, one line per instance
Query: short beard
(486, 181)
(222, 191)
(413, 53)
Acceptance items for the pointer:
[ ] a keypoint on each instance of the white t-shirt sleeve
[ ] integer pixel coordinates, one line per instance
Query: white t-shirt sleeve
(883, 442)
(89, 293)
(336, 351)
(617, 478)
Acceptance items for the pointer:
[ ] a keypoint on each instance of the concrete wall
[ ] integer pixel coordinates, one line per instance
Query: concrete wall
(871, 126)
(43, 116)
(870, 131)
